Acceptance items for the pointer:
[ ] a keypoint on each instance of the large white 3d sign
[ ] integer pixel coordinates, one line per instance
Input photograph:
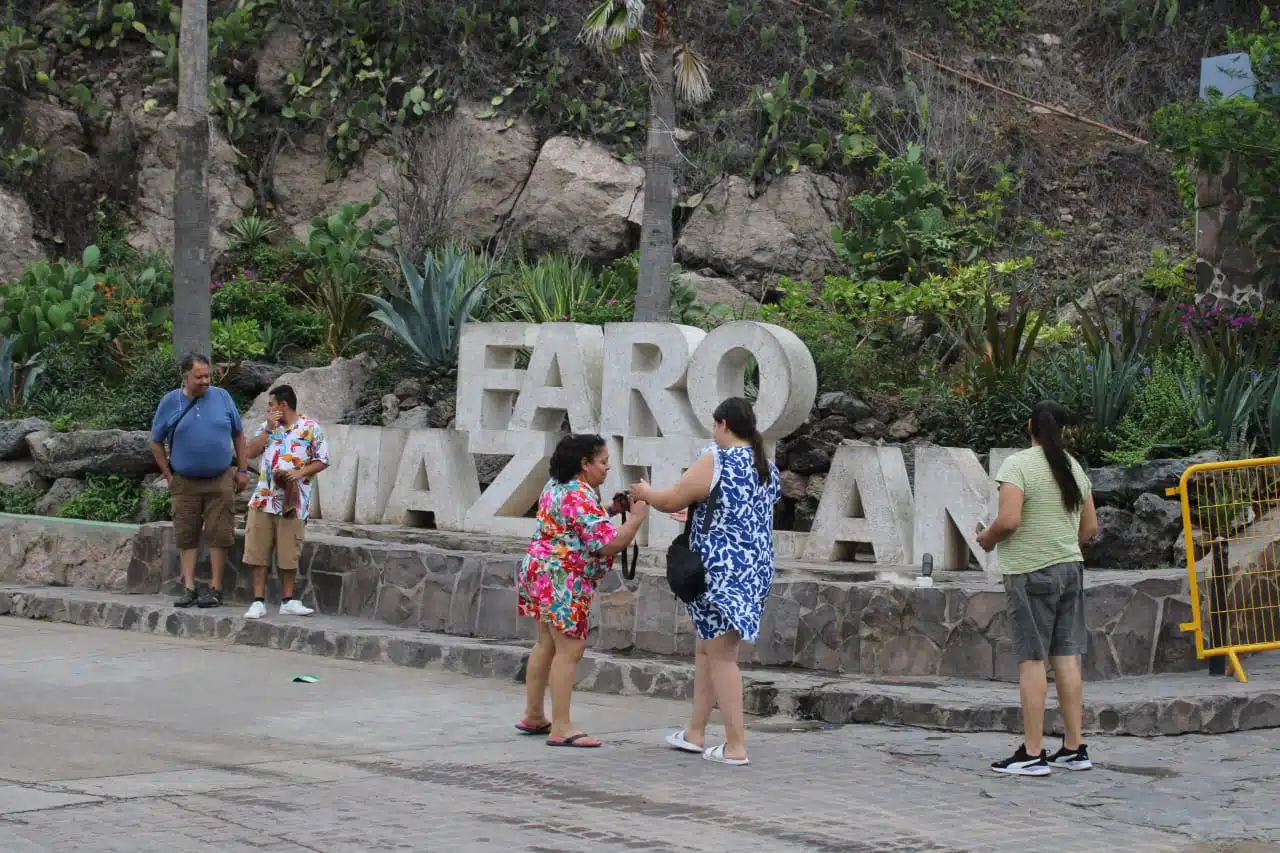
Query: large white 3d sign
(649, 389)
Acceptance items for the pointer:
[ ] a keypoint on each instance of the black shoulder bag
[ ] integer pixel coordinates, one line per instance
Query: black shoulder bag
(172, 432)
(686, 574)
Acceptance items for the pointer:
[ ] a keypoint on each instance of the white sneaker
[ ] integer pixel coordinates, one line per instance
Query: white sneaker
(294, 607)
(256, 610)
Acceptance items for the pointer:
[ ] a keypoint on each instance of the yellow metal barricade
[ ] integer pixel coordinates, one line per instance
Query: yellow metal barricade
(1231, 522)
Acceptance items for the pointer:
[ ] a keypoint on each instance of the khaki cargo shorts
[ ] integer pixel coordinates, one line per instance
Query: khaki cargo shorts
(265, 533)
(206, 504)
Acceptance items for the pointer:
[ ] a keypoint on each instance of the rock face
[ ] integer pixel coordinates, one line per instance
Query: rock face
(65, 553)
(785, 231)
(579, 199)
(18, 246)
(281, 54)
(254, 377)
(713, 290)
(59, 133)
(1113, 484)
(304, 192)
(75, 454)
(13, 436)
(229, 196)
(498, 171)
(1142, 539)
(61, 493)
(325, 394)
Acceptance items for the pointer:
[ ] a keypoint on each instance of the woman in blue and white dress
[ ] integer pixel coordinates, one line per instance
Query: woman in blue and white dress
(738, 554)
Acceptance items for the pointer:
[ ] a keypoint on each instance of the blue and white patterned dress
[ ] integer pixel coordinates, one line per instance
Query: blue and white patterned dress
(738, 549)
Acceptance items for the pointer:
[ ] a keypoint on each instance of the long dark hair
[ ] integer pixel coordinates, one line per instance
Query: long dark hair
(1047, 421)
(737, 414)
(566, 461)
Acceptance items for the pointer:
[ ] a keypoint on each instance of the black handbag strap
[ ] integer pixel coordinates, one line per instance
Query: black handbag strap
(172, 432)
(711, 501)
(629, 566)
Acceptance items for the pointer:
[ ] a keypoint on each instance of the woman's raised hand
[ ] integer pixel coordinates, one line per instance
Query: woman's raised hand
(639, 492)
(639, 508)
(681, 516)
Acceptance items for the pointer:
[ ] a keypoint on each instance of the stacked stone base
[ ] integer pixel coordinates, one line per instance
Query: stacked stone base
(819, 618)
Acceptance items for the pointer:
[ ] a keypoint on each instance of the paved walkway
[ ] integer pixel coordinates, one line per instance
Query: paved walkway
(114, 742)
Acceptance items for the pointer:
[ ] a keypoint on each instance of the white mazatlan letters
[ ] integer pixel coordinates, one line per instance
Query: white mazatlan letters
(649, 389)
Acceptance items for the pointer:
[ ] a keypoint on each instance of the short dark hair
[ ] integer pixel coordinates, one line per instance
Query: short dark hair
(570, 453)
(191, 359)
(284, 394)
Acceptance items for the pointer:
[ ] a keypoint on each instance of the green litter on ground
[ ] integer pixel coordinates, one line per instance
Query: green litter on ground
(305, 679)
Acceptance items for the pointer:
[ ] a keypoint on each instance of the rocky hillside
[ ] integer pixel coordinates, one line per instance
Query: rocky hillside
(314, 104)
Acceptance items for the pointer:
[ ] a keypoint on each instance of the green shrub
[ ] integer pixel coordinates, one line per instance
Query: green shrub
(841, 352)
(990, 416)
(1163, 420)
(160, 505)
(247, 297)
(18, 500)
(235, 340)
(111, 498)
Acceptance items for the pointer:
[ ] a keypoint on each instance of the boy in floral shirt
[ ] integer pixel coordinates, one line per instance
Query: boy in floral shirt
(293, 451)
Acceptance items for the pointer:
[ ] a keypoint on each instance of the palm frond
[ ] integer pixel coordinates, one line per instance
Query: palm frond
(611, 24)
(693, 77)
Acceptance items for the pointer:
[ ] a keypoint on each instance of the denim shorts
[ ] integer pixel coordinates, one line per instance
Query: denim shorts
(1046, 612)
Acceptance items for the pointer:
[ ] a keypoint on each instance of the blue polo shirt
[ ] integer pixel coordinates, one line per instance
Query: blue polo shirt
(201, 446)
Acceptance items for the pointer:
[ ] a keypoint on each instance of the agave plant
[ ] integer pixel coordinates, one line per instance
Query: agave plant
(437, 302)
(251, 232)
(18, 382)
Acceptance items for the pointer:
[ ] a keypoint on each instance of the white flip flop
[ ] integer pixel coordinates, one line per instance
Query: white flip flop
(677, 741)
(716, 754)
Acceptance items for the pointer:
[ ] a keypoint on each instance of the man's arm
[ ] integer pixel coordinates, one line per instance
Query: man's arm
(162, 460)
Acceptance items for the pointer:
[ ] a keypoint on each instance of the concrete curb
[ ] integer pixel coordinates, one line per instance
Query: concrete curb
(1144, 707)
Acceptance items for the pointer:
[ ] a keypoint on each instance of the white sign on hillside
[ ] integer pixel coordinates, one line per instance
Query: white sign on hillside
(649, 389)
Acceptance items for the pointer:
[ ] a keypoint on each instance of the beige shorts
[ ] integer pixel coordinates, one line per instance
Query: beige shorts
(265, 533)
(203, 504)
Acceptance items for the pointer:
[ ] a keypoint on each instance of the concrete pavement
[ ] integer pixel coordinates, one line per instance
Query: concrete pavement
(115, 742)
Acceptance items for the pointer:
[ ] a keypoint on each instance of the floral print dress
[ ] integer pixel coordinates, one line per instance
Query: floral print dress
(558, 577)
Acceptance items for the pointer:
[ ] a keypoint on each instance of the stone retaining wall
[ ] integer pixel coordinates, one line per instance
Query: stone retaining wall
(63, 552)
(953, 629)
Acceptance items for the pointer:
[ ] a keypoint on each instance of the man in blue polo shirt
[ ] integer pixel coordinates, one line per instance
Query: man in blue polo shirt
(201, 426)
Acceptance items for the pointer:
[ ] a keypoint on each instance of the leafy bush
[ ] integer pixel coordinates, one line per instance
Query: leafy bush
(50, 302)
(341, 269)
(235, 340)
(160, 505)
(1098, 390)
(111, 498)
(440, 300)
(841, 353)
(245, 296)
(18, 500)
(982, 418)
(1162, 422)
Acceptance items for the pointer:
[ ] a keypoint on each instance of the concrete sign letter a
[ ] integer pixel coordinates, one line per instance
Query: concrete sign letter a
(501, 509)
(644, 380)
(953, 494)
(359, 482)
(867, 500)
(436, 482)
(788, 379)
(488, 379)
(563, 376)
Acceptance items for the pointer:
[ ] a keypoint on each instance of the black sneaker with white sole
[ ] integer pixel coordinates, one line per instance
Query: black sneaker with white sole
(188, 599)
(1072, 759)
(1022, 764)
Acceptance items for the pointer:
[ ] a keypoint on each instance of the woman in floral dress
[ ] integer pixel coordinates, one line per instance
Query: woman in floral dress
(572, 550)
(737, 552)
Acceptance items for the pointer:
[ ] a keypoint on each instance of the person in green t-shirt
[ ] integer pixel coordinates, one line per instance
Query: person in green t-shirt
(1046, 512)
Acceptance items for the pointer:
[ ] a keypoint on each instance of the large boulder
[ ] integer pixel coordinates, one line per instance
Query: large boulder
(75, 454)
(18, 246)
(502, 160)
(61, 493)
(253, 377)
(1143, 539)
(157, 145)
(580, 199)
(1117, 484)
(325, 394)
(69, 553)
(58, 131)
(784, 231)
(13, 436)
(304, 190)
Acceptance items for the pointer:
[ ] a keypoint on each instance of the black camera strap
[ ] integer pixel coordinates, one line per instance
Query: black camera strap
(629, 566)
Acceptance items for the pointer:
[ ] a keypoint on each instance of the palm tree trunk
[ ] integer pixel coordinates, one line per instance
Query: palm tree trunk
(191, 261)
(657, 236)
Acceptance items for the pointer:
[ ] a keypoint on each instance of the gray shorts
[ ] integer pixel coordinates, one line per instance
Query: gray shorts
(1046, 612)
